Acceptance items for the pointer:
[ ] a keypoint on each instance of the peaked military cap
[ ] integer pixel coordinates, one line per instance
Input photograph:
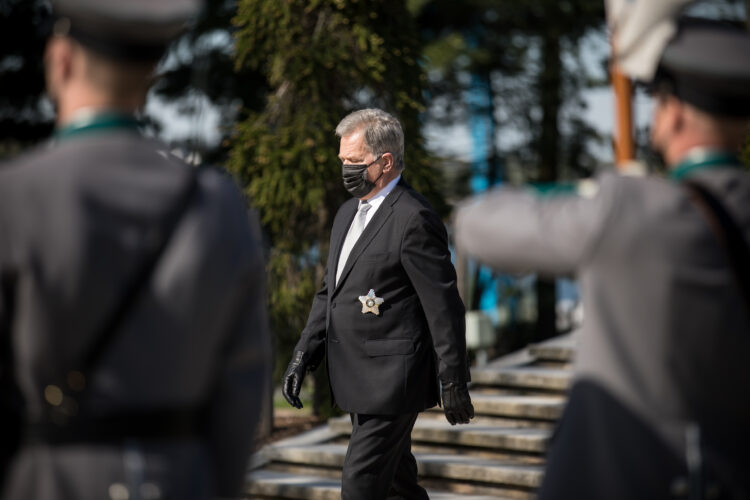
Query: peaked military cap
(707, 64)
(124, 29)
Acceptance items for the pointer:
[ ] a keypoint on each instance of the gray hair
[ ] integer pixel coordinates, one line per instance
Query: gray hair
(382, 132)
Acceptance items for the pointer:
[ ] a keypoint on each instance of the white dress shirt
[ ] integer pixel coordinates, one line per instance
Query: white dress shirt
(378, 199)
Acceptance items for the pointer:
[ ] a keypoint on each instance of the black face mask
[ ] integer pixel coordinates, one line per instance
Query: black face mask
(355, 178)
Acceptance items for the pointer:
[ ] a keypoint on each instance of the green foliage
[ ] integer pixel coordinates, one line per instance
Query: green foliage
(322, 59)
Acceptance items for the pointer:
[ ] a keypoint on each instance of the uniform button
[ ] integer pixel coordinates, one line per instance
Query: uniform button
(150, 491)
(118, 491)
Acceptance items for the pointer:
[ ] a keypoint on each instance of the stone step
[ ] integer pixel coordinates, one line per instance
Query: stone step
(561, 349)
(480, 433)
(517, 399)
(523, 378)
(273, 484)
(439, 465)
(526, 407)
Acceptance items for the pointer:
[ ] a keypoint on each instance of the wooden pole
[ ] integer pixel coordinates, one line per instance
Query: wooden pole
(624, 144)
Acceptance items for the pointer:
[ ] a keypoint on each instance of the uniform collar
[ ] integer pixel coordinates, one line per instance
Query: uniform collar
(88, 121)
(702, 159)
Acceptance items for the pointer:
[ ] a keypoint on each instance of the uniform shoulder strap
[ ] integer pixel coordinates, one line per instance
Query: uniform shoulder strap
(108, 329)
(727, 232)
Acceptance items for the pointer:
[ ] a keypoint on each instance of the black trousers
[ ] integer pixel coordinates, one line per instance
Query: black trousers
(379, 464)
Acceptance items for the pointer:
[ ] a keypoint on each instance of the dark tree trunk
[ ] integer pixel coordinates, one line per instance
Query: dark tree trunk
(550, 93)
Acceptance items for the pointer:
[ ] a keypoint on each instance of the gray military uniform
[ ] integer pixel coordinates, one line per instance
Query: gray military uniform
(666, 334)
(74, 223)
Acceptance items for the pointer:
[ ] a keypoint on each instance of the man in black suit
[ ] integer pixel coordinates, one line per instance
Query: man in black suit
(388, 316)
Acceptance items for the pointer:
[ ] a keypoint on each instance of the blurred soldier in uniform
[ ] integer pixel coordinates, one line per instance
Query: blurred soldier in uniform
(132, 312)
(658, 406)
(388, 318)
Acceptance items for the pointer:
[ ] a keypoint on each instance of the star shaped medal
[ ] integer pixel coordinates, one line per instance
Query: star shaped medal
(370, 303)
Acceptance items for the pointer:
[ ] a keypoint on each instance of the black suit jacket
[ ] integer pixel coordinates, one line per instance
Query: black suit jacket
(389, 363)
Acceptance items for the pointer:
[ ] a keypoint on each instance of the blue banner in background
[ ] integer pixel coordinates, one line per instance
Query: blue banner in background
(503, 298)
(482, 128)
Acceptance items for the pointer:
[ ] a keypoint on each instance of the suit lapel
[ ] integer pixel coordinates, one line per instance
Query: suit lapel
(338, 235)
(372, 228)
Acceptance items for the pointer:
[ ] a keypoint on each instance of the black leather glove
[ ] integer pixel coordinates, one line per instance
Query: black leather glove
(292, 383)
(457, 403)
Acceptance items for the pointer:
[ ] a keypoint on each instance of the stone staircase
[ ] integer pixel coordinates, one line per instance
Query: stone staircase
(517, 399)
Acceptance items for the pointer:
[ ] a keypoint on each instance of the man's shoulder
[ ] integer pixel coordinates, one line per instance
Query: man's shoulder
(217, 181)
(228, 225)
(40, 156)
(80, 153)
(641, 188)
(31, 175)
(221, 191)
(409, 203)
